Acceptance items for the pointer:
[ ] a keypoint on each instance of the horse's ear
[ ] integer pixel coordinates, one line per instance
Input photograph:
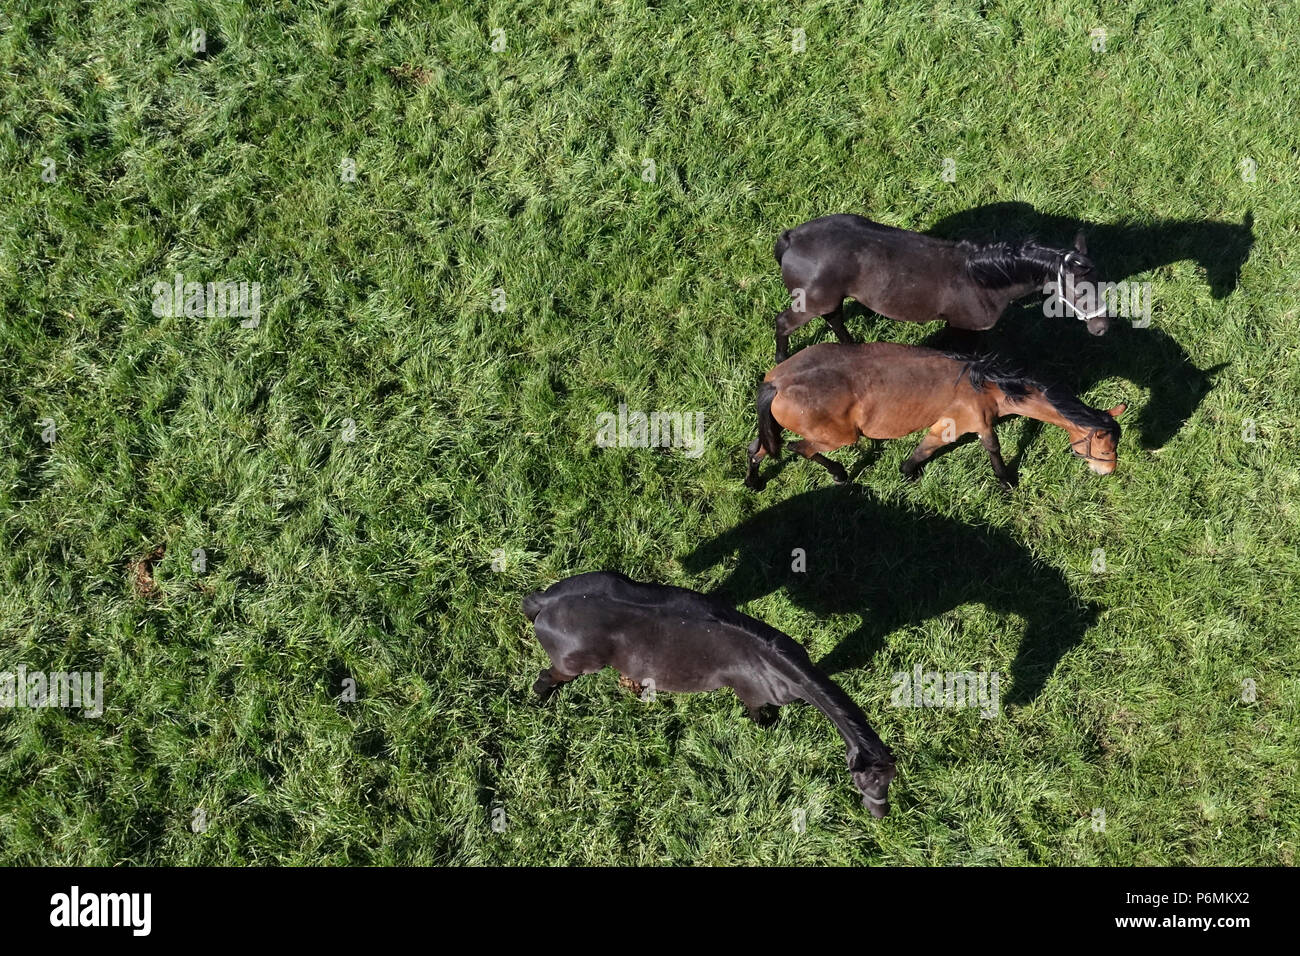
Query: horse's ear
(1080, 243)
(1118, 410)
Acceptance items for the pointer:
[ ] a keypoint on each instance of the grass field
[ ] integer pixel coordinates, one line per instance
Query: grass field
(383, 465)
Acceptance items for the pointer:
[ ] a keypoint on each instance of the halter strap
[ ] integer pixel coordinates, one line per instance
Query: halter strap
(1060, 294)
(1088, 454)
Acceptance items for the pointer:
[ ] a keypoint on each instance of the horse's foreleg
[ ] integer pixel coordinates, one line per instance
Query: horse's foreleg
(989, 439)
(930, 446)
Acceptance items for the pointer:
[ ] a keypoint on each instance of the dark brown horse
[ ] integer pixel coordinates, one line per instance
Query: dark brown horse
(911, 277)
(834, 394)
(678, 640)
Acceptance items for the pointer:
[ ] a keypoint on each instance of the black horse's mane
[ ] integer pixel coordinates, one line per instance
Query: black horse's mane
(996, 265)
(1017, 384)
(827, 695)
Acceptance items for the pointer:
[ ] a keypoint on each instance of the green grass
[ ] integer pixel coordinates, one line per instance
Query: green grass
(375, 559)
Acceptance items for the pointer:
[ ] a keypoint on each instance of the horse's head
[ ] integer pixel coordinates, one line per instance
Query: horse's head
(872, 777)
(1078, 286)
(1099, 443)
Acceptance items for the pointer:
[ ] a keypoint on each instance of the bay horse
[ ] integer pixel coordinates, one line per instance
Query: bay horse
(833, 394)
(674, 639)
(911, 277)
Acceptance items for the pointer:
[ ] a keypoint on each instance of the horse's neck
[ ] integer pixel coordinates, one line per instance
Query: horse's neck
(1012, 293)
(1048, 268)
(1036, 405)
(828, 697)
(1040, 274)
(1033, 272)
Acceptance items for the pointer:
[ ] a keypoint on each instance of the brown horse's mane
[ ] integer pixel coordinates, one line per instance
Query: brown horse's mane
(996, 265)
(1017, 385)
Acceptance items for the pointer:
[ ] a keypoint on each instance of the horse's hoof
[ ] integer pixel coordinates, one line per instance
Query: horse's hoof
(909, 475)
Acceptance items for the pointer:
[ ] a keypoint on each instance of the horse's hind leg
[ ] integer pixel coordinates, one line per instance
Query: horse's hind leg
(834, 467)
(549, 679)
(812, 453)
(836, 321)
(813, 298)
(761, 710)
(756, 454)
(787, 322)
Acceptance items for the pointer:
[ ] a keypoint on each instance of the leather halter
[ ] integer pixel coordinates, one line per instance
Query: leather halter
(1088, 454)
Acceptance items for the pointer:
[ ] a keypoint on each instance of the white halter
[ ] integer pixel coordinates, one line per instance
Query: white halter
(1060, 294)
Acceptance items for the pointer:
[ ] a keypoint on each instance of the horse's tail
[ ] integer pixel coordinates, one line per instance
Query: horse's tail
(769, 432)
(782, 244)
(533, 604)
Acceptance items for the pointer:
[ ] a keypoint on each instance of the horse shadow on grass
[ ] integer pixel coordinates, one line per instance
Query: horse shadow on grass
(1063, 351)
(895, 565)
(1120, 249)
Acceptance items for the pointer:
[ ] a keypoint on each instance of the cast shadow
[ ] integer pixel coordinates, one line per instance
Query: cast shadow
(1120, 249)
(1062, 350)
(1058, 349)
(895, 565)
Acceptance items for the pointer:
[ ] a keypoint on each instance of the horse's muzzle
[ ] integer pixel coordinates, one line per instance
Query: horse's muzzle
(879, 806)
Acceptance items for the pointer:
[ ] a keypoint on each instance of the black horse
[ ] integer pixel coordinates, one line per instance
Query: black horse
(678, 640)
(912, 277)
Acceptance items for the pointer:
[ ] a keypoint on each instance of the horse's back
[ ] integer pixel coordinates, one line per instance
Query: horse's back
(892, 271)
(684, 640)
(618, 591)
(883, 389)
(584, 606)
(606, 601)
(843, 223)
(847, 230)
(855, 361)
